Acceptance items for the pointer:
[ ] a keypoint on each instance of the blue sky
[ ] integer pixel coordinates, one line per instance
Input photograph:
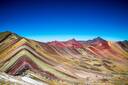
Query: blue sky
(47, 20)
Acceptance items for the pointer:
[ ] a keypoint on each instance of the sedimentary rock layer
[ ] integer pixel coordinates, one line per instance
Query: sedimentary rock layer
(70, 61)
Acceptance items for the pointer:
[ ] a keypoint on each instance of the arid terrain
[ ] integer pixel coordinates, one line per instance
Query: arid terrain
(94, 62)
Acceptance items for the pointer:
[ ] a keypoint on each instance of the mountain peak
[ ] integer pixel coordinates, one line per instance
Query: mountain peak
(72, 40)
(56, 43)
(9, 32)
(100, 43)
(98, 39)
(70, 43)
(73, 43)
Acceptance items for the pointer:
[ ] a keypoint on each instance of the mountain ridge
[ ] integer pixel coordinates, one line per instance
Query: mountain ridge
(70, 62)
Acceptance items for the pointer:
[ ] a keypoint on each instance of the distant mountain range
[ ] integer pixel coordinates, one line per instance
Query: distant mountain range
(69, 62)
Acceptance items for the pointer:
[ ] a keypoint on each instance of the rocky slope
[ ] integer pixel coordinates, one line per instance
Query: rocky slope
(70, 62)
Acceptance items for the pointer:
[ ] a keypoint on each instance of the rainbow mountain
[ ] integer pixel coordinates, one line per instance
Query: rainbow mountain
(72, 62)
